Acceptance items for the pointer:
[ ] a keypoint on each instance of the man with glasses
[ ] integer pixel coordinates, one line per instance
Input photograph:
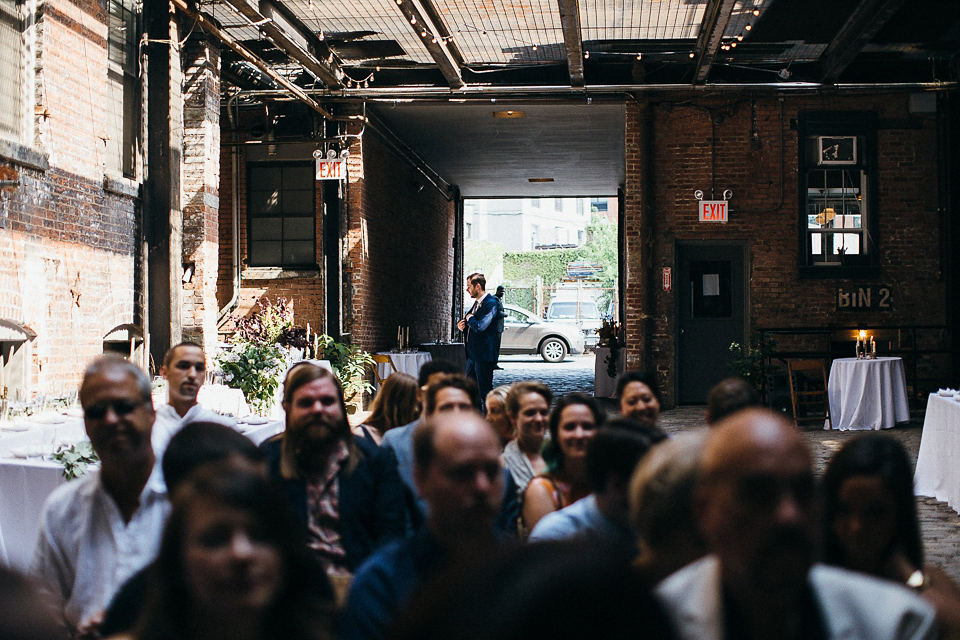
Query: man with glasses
(97, 531)
(184, 369)
(757, 509)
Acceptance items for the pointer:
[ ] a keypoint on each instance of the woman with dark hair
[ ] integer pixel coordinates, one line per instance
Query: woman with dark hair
(572, 424)
(639, 396)
(871, 524)
(233, 564)
(396, 404)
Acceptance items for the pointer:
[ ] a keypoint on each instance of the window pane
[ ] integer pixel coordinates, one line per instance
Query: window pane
(265, 178)
(264, 202)
(266, 228)
(298, 229)
(815, 244)
(11, 68)
(298, 177)
(298, 253)
(848, 243)
(298, 202)
(265, 253)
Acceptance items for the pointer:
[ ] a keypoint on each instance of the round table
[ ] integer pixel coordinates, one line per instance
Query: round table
(867, 394)
(408, 363)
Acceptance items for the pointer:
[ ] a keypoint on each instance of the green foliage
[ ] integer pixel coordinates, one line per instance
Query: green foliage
(550, 264)
(266, 325)
(750, 363)
(255, 369)
(349, 362)
(76, 459)
(600, 247)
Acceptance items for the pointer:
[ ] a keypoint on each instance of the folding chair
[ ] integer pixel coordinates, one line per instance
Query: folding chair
(379, 358)
(808, 391)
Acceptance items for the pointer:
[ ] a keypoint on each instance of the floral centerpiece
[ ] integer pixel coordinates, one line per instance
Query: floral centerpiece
(609, 337)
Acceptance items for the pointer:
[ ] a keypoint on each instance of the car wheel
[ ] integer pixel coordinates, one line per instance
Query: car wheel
(553, 350)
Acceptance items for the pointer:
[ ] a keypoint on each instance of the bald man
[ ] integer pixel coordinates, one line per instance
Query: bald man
(458, 473)
(755, 505)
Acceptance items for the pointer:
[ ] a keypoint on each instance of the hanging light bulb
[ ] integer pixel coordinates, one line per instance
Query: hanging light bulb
(423, 34)
(692, 55)
(733, 44)
(534, 47)
(484, 32)
(378, 67)
(756, 12)
(639, 56)
(748, 27)
(413, 19)
(434, 40)
(739, 37)
(586, 54)
(310, 4)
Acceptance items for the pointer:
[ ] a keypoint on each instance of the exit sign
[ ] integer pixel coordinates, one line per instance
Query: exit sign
(713, 211)
(331, 169)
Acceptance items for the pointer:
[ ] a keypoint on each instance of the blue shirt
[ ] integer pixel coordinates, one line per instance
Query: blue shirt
(582, 519)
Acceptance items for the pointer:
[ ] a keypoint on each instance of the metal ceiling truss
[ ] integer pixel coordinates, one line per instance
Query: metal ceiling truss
(716, 17)
(435, 38)
(860, 28)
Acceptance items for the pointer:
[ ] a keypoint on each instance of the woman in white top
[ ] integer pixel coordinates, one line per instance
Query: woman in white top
(528, 406)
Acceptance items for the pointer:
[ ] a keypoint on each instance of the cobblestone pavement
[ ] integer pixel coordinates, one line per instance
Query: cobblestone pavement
(940, 524)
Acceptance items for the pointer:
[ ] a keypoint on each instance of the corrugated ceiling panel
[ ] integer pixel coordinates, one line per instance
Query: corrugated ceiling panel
(516, 30)
(382, 17)
(640, 19)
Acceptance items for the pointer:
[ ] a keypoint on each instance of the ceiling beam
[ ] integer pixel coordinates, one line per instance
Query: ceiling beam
(435, 38)
(274, 23)
(208, 26)
(860, 28)
(716, 17)
(570, 23)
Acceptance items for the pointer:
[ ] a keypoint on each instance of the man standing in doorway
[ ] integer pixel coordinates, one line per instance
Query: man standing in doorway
(482, 335)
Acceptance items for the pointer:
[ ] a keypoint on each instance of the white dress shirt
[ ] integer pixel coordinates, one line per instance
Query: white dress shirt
(168, 422)
(85, 551)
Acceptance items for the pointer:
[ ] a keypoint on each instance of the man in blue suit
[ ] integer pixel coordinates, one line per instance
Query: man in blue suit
(483, 337)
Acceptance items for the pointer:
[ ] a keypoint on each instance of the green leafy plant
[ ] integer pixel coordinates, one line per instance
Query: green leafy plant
(750, 361)
(255, 369)
(76, 459)
(349, 362)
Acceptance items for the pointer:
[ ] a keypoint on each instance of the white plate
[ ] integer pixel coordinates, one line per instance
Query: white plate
(13, 426)
(49, 418)
(945, 392)
(255, 420)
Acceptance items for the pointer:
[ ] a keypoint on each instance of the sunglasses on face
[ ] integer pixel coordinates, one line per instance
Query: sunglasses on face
(120, 408)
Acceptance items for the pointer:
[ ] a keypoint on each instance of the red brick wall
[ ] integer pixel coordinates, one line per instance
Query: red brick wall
(707, 145)
(67, 245)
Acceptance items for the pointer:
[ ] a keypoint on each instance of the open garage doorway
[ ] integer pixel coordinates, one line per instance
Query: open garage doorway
(557, 260)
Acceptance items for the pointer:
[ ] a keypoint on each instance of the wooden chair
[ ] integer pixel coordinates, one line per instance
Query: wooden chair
(808, 391)
(379, 358)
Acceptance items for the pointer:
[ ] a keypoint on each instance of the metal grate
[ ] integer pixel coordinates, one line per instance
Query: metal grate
(11, 69)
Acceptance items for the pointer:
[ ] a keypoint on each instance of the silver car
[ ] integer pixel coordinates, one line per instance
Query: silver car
(524, 332)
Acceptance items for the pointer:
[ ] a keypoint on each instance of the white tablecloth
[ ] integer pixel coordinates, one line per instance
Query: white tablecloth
(408, 363)
(25, 484)
(603, 385)
(223, 399)
(260, 431)
(867, 394)
(938, 462)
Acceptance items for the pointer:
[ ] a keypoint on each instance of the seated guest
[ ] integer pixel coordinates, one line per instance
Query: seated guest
(871, 524)
(603, 516)
(496, 414)
(638, 395)
(98, 530)
(345, 490)
(397, 403)
(572, 425)
(194, 446)
(184, 369)
(399, 441)
(233, 566)
(729, 395)
(661, 507)
(528, 407)
(557, 590)
(25, 613)
(756, 505)
(458, 474)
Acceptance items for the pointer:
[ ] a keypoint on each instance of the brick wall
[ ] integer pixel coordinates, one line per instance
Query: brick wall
(400, 251)
(67, 243)
(710, 145)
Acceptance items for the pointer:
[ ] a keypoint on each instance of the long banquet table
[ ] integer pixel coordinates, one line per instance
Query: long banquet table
(867, 394)
(938, 461)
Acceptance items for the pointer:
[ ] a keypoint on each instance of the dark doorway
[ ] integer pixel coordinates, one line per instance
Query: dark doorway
(710, 315)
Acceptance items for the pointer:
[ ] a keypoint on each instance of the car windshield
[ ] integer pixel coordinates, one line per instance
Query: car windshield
(568, 310)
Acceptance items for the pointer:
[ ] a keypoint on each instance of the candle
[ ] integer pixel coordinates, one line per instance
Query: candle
(863, 334)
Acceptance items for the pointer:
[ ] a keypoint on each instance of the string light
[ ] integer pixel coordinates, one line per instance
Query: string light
(413, 19)
(692, 55)
(756, 12)
(733, 44)
(586, 54)
(310, 4)
(739, 37)
(639, 56)
(748, 27)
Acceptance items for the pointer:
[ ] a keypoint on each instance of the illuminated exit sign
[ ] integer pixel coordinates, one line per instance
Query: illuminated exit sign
(331, 169)
(713, 211)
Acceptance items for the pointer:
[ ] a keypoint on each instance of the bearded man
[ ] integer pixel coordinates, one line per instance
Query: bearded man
(346, 490)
